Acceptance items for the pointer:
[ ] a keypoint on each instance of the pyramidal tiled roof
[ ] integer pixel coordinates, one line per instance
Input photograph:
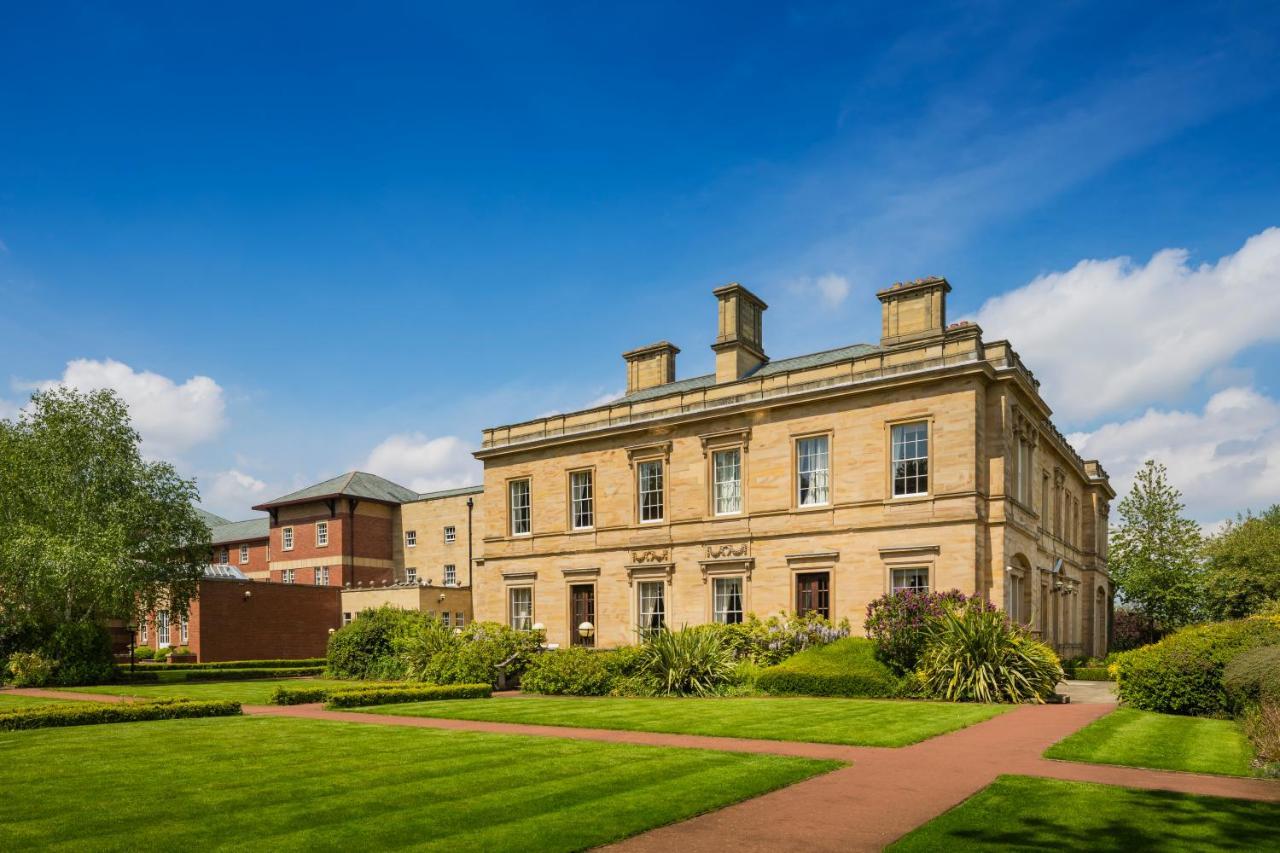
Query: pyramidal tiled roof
(772, 368)
(355, 484)
(240, 531)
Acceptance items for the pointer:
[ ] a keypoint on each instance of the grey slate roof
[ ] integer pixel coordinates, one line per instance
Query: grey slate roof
(451, 493)
(240, 531)
(772, 368)
(210, 519)
(356, 484)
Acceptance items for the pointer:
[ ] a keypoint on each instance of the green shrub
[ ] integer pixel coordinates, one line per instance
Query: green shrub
(93, 713)
(1183, 673)
(1253, 677)
(1091, 673)
(180, 651)
(976, 655)
(83, 654)
(31, 669)
(574, 671)
(847, 667)
(483, 651)
(688, 662)
(298, 695)
(143, 653)
(366, 648)
(769, 641)
(422, 693)
(161, 654)
(899, 623)
(152, 675)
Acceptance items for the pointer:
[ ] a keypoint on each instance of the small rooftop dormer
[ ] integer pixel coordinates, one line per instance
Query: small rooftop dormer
(651, 365)
(913, 311)
(739, 345)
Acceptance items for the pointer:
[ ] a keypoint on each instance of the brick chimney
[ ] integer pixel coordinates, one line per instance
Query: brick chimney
(739, 345)
(651, 365)
(913, 311)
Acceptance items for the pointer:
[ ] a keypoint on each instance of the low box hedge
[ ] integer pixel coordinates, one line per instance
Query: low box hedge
(152, 675)
(95, 713)
(1091, 673)
(392, 695)
(846, 667)
(299, 695)
(282, 663)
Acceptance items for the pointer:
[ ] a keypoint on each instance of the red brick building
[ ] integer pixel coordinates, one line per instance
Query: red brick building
(243, 544)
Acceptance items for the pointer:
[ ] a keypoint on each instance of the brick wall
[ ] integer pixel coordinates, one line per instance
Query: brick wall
(257, 565)
(275, 621)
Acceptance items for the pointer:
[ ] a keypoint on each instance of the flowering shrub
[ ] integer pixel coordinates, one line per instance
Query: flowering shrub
(31, 669)
(899, 623)
(1129, 630)
(769, 641)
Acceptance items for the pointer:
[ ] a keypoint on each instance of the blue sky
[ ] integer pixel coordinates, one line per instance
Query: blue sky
(307, 238)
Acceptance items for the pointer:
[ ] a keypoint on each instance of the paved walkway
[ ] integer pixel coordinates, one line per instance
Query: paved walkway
(884, 794)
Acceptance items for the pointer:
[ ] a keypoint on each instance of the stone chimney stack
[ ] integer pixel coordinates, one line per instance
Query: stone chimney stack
(739, 345)
(651, 365)
(913, 311)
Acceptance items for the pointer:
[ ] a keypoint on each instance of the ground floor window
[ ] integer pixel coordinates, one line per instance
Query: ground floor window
(286, 576)
(813, 594)
(458, 620)
(162, 628)
(184, 631)
(726, 602)
(346, 618)
(653, 606)
(142, 631)
(444, 617)
(322, 576)
(914, 579)
(582, 611)
(520, 607)
(1015, 586)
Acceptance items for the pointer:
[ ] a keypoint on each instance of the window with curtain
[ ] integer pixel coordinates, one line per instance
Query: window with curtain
(520, 600)
(913, 579)
(813, 471)
(652, 606)
(727, 600)
(727, 481)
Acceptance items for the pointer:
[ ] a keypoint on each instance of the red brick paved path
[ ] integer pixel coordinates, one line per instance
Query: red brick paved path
(882, 796)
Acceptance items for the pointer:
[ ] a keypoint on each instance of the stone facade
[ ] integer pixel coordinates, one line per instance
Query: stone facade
(812, 506)
(452, 604)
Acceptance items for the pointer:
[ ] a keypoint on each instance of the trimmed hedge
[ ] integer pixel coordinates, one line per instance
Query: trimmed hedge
(148, 676)
(1091, 673)
(95, 713)
(299, 695)
(844, 668)
(574, 671)
(282, 663)
(392, 695)
(1183, 673)
(1253, 678)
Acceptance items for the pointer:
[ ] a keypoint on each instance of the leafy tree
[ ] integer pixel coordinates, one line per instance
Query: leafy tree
(1155, 551)
(89, 530)
(1242, 565)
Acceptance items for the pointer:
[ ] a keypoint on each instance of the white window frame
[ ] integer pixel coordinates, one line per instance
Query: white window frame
(346, 617)
(450, 534)
(915, 443)
(244, 554)
(652, 488)
(450, 574)
(411, 575)
(322, 575)
(184, 631)
(322, 534)
(520, 506)
(162, 629)
(286, 576)
(143, 633)
(582, 499)
(286, 538)
(720, 600)
(726, 492)
(649, 593)
(459, 619)
(224, 556)
(411, 539)
(444, 617)
(520, 613)
(813, 461)
(907, 586)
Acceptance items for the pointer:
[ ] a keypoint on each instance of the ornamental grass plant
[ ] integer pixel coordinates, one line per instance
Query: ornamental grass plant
(974, 654)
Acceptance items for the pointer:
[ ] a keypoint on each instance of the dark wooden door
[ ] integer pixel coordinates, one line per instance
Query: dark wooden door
(813, 594)
(582, 598)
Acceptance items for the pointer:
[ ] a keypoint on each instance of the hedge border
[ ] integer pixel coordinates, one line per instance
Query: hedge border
(784, 680)
(393, 695)
(144, 677)
(96, 713)
(282, 663)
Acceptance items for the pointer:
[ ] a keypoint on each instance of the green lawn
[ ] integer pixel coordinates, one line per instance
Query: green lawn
(255, 692)
(273, 783)
(858, 722)
(13, 701)
(1161, 741)
(1021, 813)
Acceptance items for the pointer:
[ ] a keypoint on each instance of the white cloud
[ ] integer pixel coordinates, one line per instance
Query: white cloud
(832, 289)
(8, 411)
(425, 464)
(1224, 458)
(170, 417)
(233, 492)
(1110, 335)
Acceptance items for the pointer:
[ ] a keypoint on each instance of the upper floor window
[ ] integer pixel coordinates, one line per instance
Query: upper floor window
(910, 459)
(450, 534)
(286, 576)
(322, 533)
(726, 468)
(244, 553)
(813, 468)
(322, 576)
(520, 514)
(286, 538)
(224, 556)
(582, 500)
(915, 579)
(411, 575)
(649, 482)
(450, 574)
(411, 539)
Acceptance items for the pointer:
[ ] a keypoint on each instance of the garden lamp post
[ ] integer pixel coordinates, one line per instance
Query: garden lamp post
(586, 630)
